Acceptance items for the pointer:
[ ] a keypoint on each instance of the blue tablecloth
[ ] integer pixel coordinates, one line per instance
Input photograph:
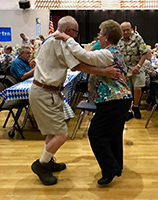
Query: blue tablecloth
(21, 91)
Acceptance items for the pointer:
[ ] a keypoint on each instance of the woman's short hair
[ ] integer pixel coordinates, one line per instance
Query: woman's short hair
(41, 37)
(8, 47)
(112, 29)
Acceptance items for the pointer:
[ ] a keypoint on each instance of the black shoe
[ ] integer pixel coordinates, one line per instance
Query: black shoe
(104, 181)
(119, 173)
(56, 167)
(129, 116)
(44, 173)
(136, 111)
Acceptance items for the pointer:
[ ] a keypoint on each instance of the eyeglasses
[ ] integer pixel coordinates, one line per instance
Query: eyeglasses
(75, 30)
(101, 34)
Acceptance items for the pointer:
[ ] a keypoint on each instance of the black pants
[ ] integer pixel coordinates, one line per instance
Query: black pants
(106, 135)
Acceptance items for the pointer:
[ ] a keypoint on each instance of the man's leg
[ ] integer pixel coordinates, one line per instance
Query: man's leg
(138, 82)
(46, 165)
(47, 107)
(137, 95)
(54, 142)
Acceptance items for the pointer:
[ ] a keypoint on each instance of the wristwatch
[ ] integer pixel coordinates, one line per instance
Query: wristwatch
(139, 66)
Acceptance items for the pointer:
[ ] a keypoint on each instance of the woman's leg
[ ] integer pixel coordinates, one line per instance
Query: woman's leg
(105, 135)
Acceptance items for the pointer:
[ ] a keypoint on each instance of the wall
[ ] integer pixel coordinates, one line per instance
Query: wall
(13, 4)
(23, 21)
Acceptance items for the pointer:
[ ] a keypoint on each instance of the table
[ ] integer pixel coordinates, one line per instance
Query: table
(21, 91)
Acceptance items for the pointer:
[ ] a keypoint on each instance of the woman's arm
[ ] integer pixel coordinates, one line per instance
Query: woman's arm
(98, 58)
(111, 72)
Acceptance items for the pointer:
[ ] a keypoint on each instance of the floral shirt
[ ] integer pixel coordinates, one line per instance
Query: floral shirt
(103, 89)
(132, 50)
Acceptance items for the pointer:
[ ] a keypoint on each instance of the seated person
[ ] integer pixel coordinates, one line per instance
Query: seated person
(148, 69)
(155, 50)
(21, 67)
(41, 38)
(8, 57)
(1, 53)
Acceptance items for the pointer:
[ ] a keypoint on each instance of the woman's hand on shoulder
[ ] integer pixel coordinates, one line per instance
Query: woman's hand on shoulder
(62, 36)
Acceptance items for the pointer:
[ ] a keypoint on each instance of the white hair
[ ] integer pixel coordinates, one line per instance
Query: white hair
(65, 23)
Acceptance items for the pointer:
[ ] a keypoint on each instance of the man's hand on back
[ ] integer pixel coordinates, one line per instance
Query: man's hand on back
(112, 72)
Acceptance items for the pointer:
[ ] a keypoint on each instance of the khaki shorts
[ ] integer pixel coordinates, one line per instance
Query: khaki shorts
(137, 80)
(47, 108)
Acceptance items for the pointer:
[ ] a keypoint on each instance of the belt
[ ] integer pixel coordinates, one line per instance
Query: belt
(50, 87)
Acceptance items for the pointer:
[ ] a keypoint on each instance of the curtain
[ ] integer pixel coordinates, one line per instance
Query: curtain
(89, 21)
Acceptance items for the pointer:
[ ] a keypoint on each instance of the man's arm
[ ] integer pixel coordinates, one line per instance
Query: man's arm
(111, 72)
(143, 58)
(27, 74)
(142, 48)
(140, 63)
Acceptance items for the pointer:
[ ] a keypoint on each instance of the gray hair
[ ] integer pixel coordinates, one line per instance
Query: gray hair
(65, 23)
(22, 49)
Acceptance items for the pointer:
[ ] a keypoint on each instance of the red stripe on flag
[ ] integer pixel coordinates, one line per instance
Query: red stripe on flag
(51, 27)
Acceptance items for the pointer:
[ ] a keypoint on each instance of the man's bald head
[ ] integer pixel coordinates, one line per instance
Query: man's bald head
(68, 25)
(126, 24)
(127, 29)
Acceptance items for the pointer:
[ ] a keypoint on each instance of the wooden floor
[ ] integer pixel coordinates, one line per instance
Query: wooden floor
(138, 181)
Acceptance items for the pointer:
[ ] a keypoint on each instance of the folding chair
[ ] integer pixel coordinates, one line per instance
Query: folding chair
(18, 105)
(83, 106)
(81, 89)
(7, 79)
(2, 87)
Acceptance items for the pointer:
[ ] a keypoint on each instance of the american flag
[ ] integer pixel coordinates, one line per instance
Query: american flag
(51, 27)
